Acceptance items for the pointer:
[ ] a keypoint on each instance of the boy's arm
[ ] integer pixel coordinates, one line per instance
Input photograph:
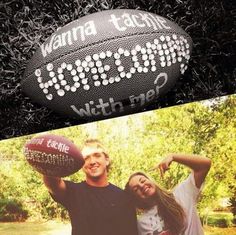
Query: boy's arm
(56, 186)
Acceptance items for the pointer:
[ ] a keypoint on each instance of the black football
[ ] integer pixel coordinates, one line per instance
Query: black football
(107, 64)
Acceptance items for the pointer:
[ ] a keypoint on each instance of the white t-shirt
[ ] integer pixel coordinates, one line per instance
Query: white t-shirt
(186, 194)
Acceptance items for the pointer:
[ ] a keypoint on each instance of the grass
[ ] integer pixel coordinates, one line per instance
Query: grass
(219, 231)
(35, 228)
(59, 228)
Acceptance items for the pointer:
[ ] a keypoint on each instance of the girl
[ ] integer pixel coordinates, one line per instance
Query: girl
(170, 213)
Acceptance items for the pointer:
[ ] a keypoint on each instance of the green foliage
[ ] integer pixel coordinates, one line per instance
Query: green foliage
(220, 146)
(12, 210)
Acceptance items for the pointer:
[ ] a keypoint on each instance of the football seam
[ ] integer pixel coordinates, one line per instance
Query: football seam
(102, 41)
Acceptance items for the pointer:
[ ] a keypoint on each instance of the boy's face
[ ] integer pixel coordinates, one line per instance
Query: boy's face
(96, 162)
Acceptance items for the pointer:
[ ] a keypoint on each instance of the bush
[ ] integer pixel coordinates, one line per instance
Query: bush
(12, 210)
(223, 220)
(52, 210)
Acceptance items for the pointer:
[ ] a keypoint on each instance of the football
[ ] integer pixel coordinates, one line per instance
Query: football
(53, 155)
(107, 64)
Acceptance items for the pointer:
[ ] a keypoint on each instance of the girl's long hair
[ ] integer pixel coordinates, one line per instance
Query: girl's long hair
(168, 209)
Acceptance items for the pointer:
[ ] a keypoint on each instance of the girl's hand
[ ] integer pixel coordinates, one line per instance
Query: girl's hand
(164, 165)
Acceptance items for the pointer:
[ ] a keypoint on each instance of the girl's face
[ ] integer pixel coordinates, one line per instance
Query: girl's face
(142, 186)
